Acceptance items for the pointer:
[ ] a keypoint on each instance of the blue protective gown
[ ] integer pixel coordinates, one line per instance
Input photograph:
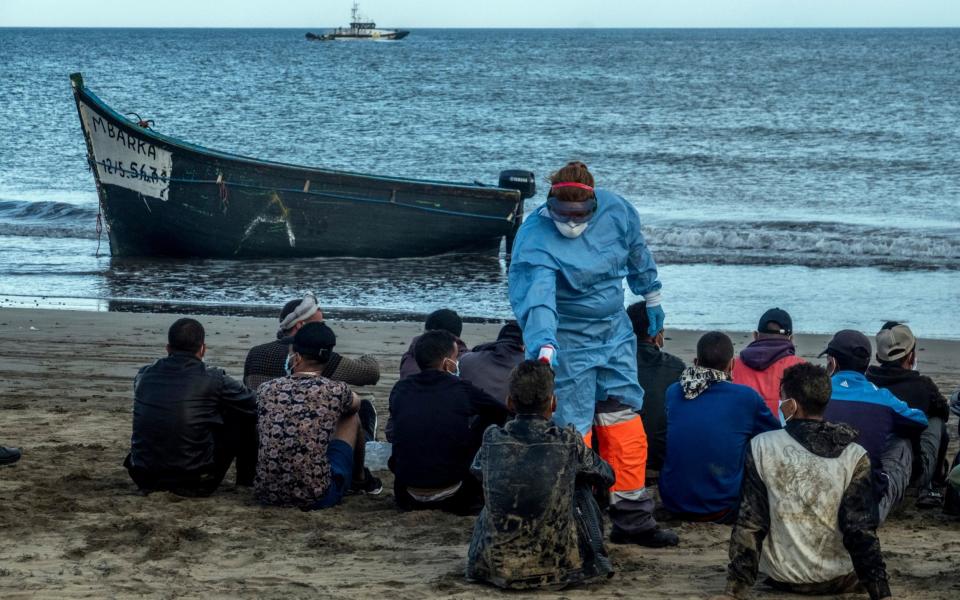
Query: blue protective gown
(568, 293)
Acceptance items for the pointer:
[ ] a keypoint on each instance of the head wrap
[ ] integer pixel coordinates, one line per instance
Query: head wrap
(306, 309)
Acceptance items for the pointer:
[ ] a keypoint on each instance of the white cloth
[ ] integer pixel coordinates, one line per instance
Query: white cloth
(804, 490)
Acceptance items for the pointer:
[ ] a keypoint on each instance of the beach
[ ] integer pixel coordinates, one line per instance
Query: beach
(72, 524)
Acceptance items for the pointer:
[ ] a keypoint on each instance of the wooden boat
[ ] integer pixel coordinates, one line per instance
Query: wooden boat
(160, 196)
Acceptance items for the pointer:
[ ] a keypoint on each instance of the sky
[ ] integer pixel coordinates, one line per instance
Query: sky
(482, 13)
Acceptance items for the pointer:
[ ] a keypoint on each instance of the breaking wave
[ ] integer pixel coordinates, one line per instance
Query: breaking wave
(811, 244)
(47, 219)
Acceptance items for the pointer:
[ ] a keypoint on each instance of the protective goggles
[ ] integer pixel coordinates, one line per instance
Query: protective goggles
(571, 212)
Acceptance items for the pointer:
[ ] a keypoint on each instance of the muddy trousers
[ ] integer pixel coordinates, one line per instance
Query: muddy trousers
(619, 438)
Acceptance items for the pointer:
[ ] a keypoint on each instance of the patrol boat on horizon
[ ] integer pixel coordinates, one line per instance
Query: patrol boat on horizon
(359, 29)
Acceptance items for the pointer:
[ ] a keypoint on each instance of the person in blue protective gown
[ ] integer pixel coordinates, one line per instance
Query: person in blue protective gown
(570, 258)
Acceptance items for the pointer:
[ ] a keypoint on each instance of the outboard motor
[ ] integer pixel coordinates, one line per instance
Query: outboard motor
(525, 183)
(522, 181)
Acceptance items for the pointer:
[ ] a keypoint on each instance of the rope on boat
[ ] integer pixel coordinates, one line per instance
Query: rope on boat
(99, 228)
(133, 174)
(224, 192)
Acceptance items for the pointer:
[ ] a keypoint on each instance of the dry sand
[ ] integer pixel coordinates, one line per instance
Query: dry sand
(73, 526)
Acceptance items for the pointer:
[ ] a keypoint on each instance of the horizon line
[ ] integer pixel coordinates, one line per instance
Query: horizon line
(538, 27)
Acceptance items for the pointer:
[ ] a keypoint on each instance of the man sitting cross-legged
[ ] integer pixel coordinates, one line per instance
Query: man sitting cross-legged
(438, 420)
(897, 372)
(309, 428)
(885, 423)
(190, 420)
(540, 525)
(808, 513)
(710, 422)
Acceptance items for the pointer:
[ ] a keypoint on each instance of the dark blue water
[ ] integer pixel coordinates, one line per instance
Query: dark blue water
(814, 169)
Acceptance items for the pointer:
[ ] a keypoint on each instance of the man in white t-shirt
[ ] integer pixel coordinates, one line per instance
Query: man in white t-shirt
(809, 513)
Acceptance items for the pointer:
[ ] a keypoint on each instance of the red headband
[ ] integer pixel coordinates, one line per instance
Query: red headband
(572, 184)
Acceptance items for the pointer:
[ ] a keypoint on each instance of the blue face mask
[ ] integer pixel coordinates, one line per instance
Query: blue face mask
(456, 363)
(287, 367)
(783, 420)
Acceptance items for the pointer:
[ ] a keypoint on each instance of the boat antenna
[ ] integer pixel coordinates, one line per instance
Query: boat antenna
(353, 12)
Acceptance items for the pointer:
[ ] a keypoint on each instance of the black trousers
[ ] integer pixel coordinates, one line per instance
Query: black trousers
(236, 439)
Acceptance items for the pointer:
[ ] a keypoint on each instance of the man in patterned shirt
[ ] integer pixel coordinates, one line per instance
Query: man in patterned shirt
(308, 428)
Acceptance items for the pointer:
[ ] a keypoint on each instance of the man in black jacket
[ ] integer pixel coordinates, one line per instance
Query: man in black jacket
(190, 420)
(656, 371)
(437, 422)
(488, 366)
(897, 355)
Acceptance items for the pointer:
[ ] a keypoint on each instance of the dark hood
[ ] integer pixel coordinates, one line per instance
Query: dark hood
(886, 376)
(762, 353)
(821, 437)
(510, 338)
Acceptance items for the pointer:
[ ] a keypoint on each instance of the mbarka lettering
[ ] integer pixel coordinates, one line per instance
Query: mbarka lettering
(125, 160)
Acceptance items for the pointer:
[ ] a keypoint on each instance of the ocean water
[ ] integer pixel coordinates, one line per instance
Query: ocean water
(816, 170)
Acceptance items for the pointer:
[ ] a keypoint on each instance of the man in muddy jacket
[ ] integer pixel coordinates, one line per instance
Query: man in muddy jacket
(762, 363)
(808, 515)
(540, 526)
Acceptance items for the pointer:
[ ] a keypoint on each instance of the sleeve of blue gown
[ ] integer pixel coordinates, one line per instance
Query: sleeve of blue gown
(642, 276)
(533, 296)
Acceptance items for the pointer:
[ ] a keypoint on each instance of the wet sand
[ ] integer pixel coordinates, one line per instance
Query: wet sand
(72, 525)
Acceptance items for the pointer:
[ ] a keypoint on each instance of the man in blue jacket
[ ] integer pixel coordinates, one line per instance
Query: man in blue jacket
(885, 423)
(710, 422)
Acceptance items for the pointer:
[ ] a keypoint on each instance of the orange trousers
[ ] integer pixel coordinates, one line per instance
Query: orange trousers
(619, 438)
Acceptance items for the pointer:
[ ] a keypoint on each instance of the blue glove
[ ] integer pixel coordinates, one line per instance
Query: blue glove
(655, 316)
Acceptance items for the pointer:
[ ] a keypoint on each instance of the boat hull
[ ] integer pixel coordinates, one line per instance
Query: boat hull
(163, 197)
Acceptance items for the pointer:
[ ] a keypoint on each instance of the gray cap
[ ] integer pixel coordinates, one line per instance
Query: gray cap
(895, 343)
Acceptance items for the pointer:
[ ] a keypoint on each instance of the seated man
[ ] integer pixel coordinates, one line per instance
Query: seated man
(710, 422)
(656, 371)
(540, 525)
(437, 421)
(885, 423)
(763, 361)
(8, 456)
(488, 366)
(190, 420)
(443, 319)
(897, 372)
(267, 361)
(808, 515)
(308, 428)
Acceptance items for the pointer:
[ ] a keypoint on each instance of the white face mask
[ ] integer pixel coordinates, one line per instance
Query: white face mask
(571, 230)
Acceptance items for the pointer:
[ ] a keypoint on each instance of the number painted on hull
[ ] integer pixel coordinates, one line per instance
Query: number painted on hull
(126, 160)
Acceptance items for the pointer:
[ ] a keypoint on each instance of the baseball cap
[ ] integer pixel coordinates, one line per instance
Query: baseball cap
(776, 320)
(313, 339)
(850, 343)
(894, 343)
